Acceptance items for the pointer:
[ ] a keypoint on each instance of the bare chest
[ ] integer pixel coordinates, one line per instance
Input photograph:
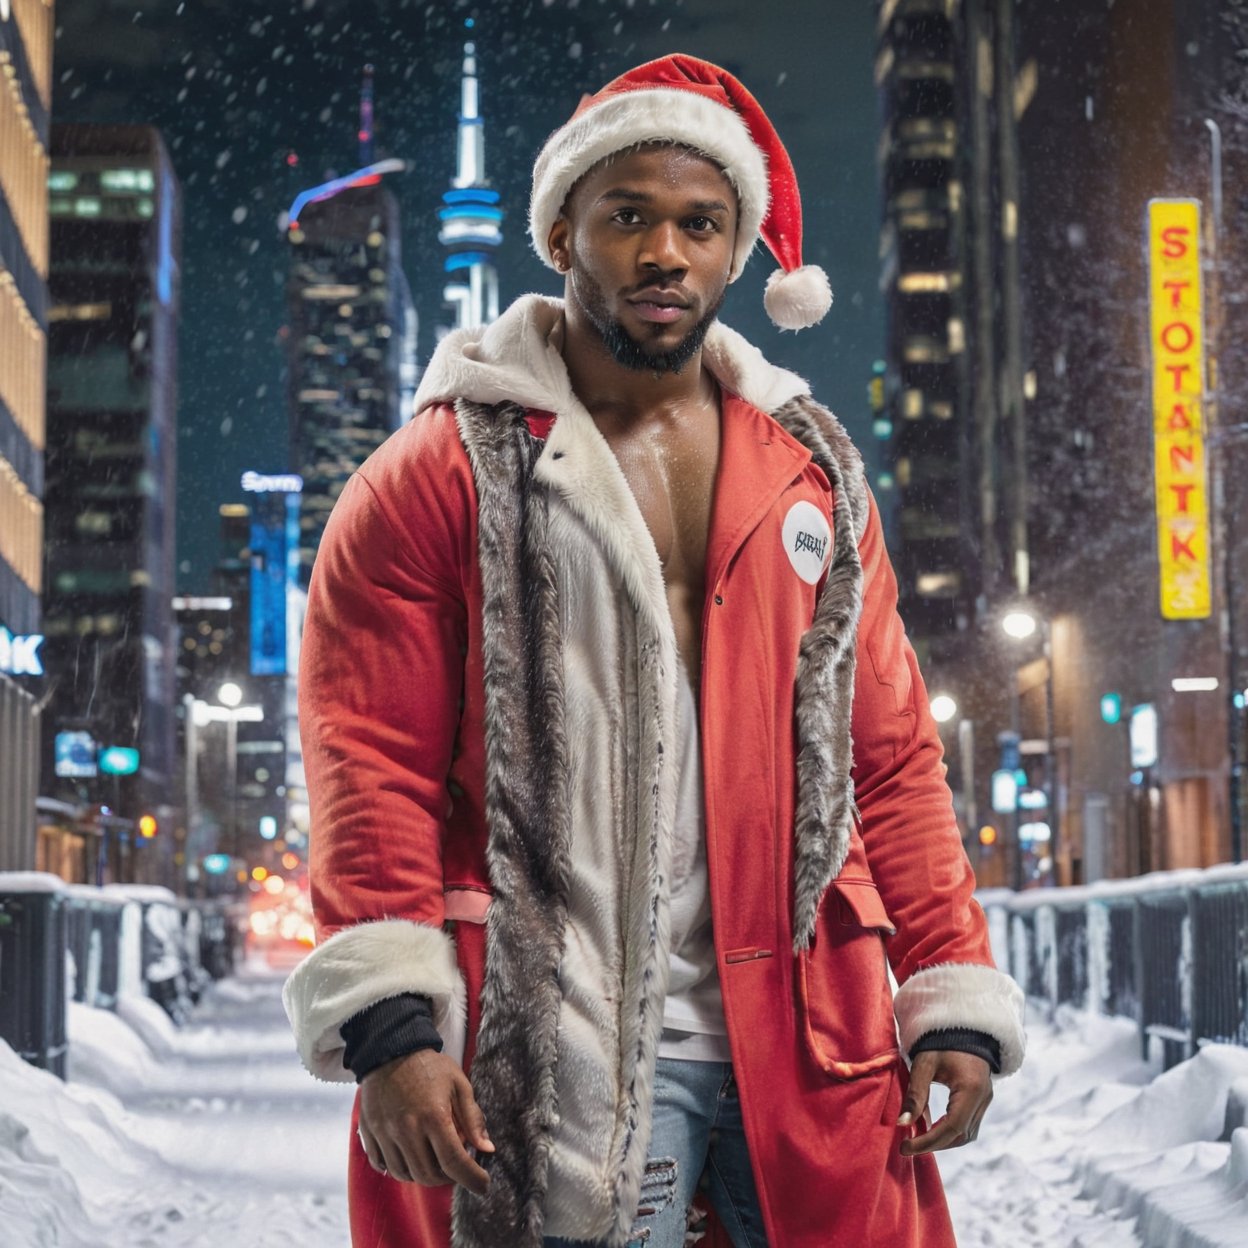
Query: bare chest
(671, 474)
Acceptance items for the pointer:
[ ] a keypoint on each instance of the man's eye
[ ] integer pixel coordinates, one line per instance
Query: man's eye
(703, 225)
(627, 216)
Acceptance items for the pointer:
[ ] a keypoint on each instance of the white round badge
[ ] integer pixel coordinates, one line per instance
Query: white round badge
(807, 538)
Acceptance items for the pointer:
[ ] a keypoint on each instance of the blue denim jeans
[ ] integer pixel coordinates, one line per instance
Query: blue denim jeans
(698, 1145)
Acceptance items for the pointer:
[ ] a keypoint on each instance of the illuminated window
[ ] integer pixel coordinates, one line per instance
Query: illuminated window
(80, 312)
(62, 180)
(938, 584)
(926, 283)
(1025, 87)
(87, 206)
(126, 180)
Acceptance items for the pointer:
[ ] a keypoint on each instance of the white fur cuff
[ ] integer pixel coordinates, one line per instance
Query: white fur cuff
(964, 995)
(363, 965)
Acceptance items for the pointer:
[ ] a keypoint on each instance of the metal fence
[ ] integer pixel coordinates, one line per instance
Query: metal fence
(1168, 950)
(62, 942)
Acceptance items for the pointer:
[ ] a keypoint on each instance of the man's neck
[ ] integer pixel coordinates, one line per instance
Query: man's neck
(626, 395)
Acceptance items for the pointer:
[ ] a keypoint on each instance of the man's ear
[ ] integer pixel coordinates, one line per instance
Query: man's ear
(557, 244)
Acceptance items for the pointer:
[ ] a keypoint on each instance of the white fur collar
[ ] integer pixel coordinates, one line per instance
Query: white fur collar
(517, 359)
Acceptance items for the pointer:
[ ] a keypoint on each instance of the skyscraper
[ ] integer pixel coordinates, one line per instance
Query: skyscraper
(25, 98)
(115, 210)
(471, 216)
(352, 327)
(950, 277)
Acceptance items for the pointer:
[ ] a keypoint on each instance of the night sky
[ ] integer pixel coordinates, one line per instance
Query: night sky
(234, 85)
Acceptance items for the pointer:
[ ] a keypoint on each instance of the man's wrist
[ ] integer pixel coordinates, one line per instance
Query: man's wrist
(961, 1040)
(389, 1029)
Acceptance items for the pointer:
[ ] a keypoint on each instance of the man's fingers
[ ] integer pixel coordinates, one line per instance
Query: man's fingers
(945, 1134)
(424, 1163)
(470, 1118)
(454, 1160)
(916, 1094)
(376, 1158)
(393, 1161)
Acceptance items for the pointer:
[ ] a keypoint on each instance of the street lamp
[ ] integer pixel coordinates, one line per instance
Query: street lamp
(1020, 624)
(943, 708)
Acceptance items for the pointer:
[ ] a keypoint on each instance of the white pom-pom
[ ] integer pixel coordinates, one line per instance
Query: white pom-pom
(799, 299)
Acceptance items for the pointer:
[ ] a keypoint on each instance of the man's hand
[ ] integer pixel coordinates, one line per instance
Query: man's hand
(417, 1113)
(970, 1093)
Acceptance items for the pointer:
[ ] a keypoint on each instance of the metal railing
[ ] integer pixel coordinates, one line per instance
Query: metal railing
(1168, 950)
(61, 942)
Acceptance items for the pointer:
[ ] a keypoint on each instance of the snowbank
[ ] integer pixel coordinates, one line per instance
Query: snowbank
(198, 1138)
(1089, 1147)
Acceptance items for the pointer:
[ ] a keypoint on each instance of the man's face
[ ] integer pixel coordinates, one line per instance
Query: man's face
(647, 240)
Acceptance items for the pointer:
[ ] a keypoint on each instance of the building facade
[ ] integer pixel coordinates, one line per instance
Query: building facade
(26, 28)
(115, 210)
(351, 340)
(1021, 148)
(234, 745)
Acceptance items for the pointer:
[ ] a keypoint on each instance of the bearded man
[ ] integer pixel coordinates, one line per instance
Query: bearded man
(625, 790)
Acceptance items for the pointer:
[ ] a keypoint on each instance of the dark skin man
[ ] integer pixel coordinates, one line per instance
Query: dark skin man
(645, 241)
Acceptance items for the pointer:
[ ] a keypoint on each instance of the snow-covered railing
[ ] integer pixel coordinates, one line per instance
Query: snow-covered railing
(61, 942)
(1169, 950)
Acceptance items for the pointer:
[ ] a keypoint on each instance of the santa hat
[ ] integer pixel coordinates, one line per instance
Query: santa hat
(681, 99)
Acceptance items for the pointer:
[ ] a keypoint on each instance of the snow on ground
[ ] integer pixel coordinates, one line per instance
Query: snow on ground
(214, 1135)
(207, 1136)
(1090, 1147)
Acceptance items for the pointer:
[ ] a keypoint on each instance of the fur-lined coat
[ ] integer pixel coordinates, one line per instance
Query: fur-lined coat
(487, 696)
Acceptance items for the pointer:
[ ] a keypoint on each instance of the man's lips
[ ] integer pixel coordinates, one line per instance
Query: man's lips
(660, 309)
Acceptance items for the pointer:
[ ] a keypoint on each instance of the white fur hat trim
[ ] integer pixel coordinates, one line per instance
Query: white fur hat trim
(664, 115)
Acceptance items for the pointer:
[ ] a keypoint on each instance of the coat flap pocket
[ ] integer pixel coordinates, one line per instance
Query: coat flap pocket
(864, 904)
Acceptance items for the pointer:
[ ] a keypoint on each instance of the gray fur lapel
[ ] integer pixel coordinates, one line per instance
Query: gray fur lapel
(526, 793)
(825, 673)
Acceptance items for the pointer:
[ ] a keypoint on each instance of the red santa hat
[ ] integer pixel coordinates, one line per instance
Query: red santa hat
(681, 99)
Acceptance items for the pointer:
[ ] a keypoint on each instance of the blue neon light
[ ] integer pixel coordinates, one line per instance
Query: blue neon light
(268, 586)
(465, 260)
(471, 195)
(466, 212)
(164, 263)
(327, 190)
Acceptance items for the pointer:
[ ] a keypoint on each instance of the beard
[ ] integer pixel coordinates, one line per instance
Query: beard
(624, 348)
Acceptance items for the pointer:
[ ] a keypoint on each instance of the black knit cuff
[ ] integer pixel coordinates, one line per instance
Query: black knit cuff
(961, 1040)
(391, 1028)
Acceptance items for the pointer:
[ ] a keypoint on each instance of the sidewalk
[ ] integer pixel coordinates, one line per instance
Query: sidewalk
(209, 1136)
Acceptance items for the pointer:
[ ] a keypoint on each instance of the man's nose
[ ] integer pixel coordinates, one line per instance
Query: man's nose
(664, 248)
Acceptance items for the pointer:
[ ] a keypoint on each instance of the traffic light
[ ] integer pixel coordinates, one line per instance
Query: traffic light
(148, 826)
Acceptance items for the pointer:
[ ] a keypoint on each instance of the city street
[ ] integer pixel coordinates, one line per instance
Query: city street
(215, 1135)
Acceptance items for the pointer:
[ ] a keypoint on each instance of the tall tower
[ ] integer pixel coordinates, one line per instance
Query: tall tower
(470, 214)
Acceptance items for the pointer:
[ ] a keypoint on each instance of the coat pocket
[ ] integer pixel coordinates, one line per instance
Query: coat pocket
(844, 997)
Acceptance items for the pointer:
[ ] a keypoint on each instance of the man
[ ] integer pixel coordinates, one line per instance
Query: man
(623, 776)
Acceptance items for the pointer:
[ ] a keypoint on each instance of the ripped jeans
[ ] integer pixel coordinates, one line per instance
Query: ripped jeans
(697, 1149)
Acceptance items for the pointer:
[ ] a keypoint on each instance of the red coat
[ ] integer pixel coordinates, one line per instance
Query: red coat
(392, 706)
